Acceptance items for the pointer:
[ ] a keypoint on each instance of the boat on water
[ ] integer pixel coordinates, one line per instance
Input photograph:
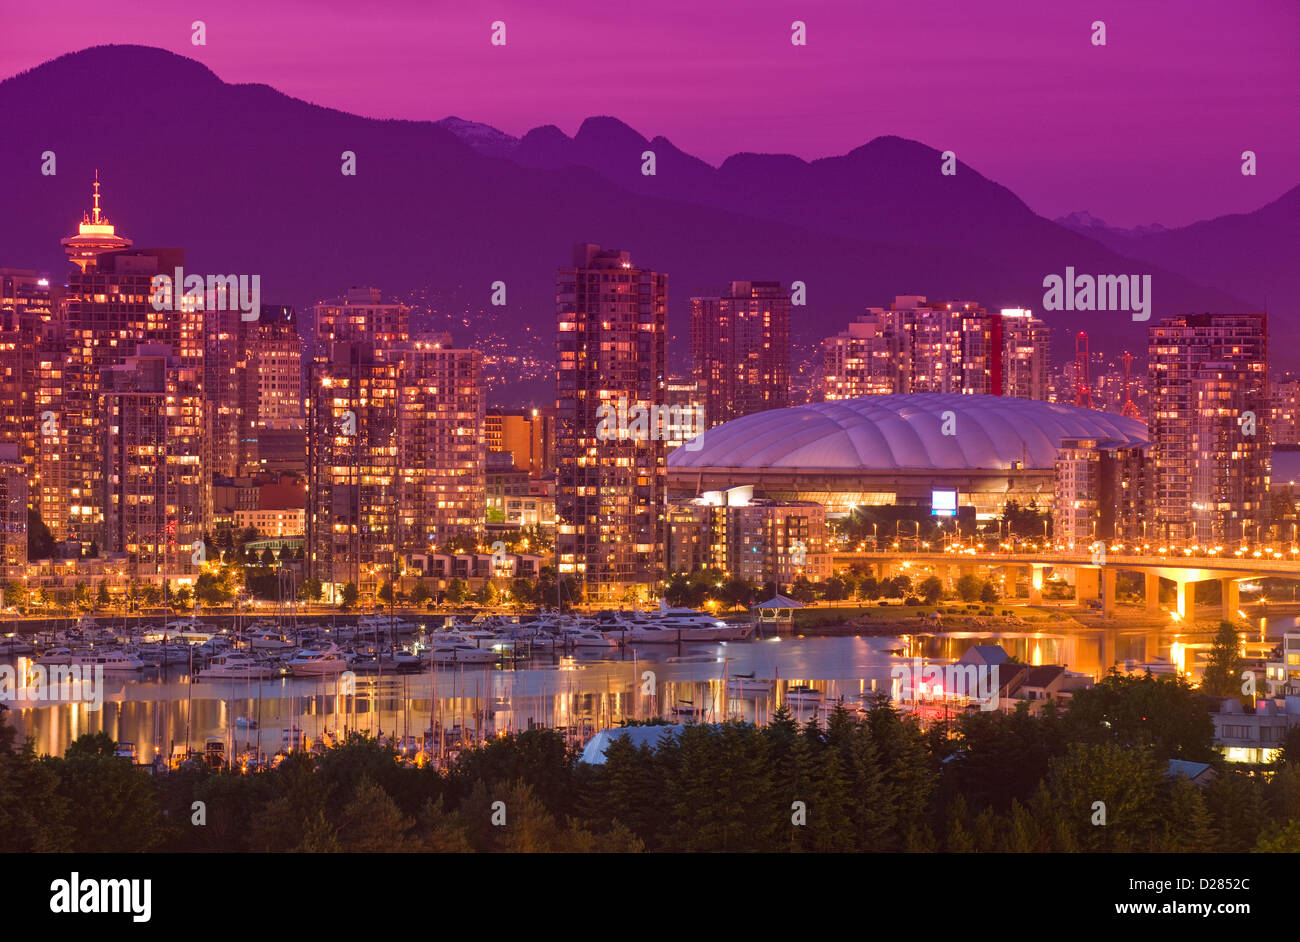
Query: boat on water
(11, 645)
(162, 654)
(111, 660)
(694, 625)
(237, 665)
(741, 686)
(269, 640)
(462, 652)
(59, 654)
(801, 693)
(588, 638)
(320, 658)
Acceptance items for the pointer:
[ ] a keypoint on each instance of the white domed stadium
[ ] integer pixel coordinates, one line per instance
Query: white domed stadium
(896, 449)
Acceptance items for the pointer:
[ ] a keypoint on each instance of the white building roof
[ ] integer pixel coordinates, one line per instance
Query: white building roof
(885, 433)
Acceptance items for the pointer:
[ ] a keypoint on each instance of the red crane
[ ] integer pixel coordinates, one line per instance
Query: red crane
(1082, 380)
(1129, 408)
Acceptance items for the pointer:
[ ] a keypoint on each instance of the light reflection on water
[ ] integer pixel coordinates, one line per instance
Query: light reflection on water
(160, 709)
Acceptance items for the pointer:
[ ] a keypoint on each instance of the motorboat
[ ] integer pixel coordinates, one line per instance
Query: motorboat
(588, 638)
(701, 626)
(269, 640)
(741, 685)
(320, 658)
(801, 693)
(55, 655)
(109, 659)
(163, 654)
(462, 652)
(11, 645)
(236, 665)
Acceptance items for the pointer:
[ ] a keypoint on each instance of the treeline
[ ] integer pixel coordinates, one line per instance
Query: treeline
(1090, 779)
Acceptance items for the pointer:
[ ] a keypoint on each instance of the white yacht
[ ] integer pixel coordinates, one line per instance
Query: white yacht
(55, 655)
(803, 694)
(236, 665)
(588, 638)
(749, 686)
(323, 657)
(701, 626)
(269, 640)
(109, 659)
(11, 645)
(461, 652)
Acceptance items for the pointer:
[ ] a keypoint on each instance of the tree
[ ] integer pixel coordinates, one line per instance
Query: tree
(457, 591)
(1223, 669)
(1119, 782)
(349, 596)
(420, 594)
(736, 591)
(311, 589)
(1164, 713)
(930, 589)
(102, 598)
(968, 587)
(803, 590)
(987, 592)
(386, 592)
(40, 542)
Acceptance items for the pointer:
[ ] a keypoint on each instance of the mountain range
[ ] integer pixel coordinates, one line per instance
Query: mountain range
(248, 180)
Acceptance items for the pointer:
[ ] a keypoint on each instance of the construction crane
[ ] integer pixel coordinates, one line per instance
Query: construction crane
(1129, 409)
(1082, 380)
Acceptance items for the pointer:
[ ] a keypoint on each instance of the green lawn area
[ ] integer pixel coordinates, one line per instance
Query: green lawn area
(827, 615)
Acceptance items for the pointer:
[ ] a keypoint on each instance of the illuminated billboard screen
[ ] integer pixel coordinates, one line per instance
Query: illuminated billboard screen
(943, 503)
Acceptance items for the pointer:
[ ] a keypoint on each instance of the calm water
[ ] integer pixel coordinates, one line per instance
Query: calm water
(160, 709)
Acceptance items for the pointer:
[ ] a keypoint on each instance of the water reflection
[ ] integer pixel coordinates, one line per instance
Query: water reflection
(159, 711)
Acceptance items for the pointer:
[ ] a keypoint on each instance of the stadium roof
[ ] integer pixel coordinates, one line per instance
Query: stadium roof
(906, 432)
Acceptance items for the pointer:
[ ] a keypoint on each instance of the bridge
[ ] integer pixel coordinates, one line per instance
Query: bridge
(1095, 575)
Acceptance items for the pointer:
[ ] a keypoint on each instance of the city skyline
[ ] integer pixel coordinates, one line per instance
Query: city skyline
(650, 430)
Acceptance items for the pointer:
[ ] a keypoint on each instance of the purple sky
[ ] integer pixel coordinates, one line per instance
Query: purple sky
(1149, 128)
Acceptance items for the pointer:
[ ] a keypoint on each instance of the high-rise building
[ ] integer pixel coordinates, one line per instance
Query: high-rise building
(756, 540)
(918, 346)
(1100, 493)
(862, 360)
(396, 456)
(13, 511)
(442, 448)
(1025, 344)
(152, 427)
(25, 315)
(106, 314)
(271, 403)
(1209, 422)
(1285, 400)
(611, 359)
(361, 315)
(527, 435)
(740, 348)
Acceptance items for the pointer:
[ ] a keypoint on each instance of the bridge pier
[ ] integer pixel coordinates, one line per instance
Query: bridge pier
(1087, 583)
(1231, 598)
(1109, 591)
(1036, 584)
(1181, 605)
(1153, 593)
